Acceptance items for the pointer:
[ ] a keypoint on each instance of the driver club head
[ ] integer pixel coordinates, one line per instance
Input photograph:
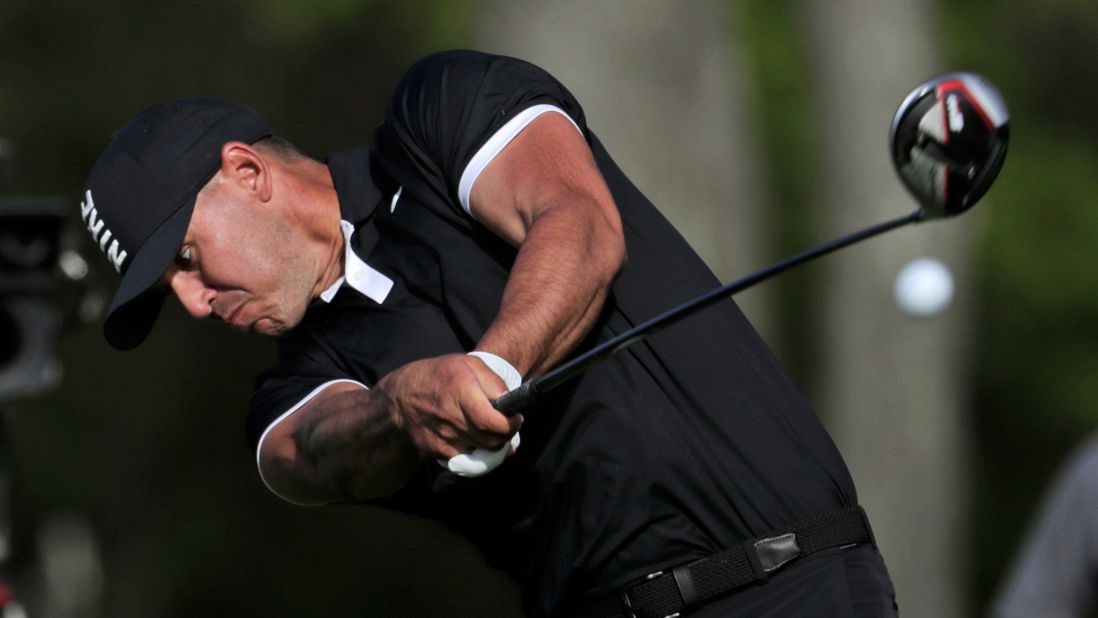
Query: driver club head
(948, 141)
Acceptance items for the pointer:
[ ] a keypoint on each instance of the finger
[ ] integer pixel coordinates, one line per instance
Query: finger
(448, 451)
(445, 448)
(492, 439)
(468, 429)
(484, 421)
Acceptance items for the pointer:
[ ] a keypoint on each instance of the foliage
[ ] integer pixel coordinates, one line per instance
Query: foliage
(149, 447)
(1037, 347)
(184, 510)
(1034, 336)
(781, 105)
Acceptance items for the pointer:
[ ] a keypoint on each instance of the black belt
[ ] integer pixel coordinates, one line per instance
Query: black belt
(667, 594)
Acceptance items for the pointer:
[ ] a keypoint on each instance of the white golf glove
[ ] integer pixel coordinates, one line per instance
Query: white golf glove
(482, 461)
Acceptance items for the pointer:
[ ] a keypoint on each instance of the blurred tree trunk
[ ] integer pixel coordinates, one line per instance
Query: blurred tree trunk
(663, 87)
(892, 388)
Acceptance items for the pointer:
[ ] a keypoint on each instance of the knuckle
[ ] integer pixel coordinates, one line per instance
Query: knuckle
(492, 424)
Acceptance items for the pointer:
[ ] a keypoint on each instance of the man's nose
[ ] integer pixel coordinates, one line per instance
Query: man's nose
(195, 297)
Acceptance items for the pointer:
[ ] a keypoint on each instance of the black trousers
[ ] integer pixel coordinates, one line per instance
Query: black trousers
(839, 583)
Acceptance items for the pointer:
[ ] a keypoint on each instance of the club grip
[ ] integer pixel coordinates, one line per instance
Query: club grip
(514, 401)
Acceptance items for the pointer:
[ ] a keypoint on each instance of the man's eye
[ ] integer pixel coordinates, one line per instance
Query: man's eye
(184, 257)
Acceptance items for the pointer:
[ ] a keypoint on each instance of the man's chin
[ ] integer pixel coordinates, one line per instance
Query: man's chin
(269, 328)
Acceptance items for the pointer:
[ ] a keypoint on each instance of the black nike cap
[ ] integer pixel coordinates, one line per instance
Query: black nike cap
(139, 197)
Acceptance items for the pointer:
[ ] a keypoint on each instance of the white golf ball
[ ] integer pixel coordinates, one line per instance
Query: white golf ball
(924, 287)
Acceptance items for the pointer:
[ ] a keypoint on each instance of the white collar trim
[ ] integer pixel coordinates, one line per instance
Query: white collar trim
(356, 273)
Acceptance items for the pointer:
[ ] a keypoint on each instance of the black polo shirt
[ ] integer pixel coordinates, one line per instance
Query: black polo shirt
(684, 445)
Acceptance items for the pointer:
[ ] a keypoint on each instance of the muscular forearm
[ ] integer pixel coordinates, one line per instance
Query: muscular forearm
(351, 444)
(344, 446)
(557, 287)
(544, 194)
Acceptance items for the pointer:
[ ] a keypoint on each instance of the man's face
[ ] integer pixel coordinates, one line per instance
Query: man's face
(242, 262)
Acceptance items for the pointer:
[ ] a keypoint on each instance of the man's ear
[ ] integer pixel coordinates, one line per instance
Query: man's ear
(247, 168)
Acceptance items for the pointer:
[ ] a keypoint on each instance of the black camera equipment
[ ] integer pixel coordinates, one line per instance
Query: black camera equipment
(43, 282)
(31, 230)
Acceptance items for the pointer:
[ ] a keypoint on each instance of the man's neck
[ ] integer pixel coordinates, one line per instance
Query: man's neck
(320, 212)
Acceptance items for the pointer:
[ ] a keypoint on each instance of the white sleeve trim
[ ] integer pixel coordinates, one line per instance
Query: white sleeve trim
(297, 406)
(496, 144)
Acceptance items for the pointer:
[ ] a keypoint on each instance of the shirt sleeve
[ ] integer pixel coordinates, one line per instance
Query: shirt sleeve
(303, 368)
(449, 105)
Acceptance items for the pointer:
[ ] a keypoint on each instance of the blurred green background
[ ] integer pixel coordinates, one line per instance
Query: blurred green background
(140, 461)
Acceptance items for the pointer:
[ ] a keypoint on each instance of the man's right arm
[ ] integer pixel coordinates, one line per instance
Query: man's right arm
(349, 443)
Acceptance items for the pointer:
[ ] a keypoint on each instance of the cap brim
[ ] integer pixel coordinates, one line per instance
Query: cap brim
(137, 302)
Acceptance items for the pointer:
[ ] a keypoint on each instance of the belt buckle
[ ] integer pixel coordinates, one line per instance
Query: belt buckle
(627, 604)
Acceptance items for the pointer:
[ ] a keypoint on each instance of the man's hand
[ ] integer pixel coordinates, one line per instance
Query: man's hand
(444, 405)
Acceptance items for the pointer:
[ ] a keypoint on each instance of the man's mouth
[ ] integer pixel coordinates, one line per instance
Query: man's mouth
(230, 317)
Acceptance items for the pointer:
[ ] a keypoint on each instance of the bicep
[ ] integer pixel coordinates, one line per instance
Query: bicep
(548, 164)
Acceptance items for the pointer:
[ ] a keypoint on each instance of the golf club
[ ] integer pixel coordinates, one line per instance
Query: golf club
(948, 140)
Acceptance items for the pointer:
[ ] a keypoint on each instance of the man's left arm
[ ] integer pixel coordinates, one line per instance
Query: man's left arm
(544, 194)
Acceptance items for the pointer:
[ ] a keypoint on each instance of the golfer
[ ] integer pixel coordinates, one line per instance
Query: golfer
(483, 237)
